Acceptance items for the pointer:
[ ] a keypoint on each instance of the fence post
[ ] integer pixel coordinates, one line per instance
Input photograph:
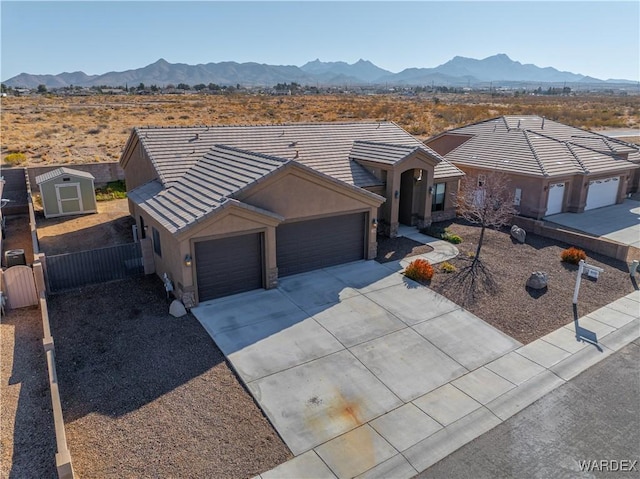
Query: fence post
(38, 274)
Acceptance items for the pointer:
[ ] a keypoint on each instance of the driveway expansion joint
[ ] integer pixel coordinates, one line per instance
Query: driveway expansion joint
(353, 392)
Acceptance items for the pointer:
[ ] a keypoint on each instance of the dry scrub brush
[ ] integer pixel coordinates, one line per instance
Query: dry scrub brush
(49, 129)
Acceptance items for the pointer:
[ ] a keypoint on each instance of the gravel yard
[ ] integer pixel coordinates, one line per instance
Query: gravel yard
(523, 314)
(148, 395)
(27, 436)
(111, 225)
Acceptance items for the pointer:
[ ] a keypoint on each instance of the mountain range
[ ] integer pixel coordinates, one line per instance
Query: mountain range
(499, 70)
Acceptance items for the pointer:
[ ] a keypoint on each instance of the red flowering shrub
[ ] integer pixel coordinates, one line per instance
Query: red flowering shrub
(419, 270)
(573, 255)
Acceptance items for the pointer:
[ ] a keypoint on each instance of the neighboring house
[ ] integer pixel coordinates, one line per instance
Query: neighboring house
(553, 168)
(233, 208)
(65, 191)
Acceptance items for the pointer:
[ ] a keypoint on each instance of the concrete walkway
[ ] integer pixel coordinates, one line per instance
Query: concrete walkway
(619, 223)
(442, 250)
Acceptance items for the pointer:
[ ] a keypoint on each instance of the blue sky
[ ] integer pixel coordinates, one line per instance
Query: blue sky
(600, 39)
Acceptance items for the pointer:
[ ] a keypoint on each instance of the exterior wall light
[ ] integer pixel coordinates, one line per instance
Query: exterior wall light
(187, 260)
(374, 221)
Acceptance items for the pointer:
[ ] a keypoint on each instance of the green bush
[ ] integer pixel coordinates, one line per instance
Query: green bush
(114, 190)
(15, 158)
(452, 238)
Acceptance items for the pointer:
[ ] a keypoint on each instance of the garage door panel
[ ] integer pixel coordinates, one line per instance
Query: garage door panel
(308, 245)
(555, 199)
(229, 266)
(602, 192)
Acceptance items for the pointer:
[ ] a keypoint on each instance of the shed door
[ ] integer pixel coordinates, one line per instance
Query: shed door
(69, 198)
(556, 198)
(602, 193)
(314, 244)
(228, 266)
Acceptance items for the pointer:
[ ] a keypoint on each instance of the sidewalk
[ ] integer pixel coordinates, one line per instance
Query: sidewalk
(473, 404)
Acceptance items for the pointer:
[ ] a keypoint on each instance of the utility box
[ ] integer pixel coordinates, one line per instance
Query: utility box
(14, 257)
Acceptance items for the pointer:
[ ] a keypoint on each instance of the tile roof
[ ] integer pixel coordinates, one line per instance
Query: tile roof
(221, 173)
(383, 153)
(214, 182)
(62, 171)
(324, 147)
(532, 145)
(387, 154)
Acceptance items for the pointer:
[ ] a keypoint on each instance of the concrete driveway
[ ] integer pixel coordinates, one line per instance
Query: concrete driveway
(619, 223)
(345, 360)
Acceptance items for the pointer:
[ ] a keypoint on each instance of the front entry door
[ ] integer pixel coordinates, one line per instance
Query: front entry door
(405, 207)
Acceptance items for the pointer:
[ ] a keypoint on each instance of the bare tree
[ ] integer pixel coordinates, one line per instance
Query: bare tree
(485, 200)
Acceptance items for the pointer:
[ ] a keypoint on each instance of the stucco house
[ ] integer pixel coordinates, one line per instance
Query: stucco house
(553, 168)
(234, 208)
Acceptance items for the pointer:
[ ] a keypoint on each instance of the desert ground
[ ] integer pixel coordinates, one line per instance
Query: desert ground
(48, 129)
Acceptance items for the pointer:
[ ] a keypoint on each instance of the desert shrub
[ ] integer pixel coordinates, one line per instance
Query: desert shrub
(93, 131)
(441, 233)
(419, 270)
(434, 231)
(573, 255)
(451, 238)
(15, 158)
(448, 267)
(114, 190)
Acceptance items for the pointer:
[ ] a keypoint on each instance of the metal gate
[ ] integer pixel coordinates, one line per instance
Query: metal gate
(19, 287)
(73, 270)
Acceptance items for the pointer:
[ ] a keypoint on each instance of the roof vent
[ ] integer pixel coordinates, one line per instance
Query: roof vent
(542, 128)
(518, 124)
(293, 143)
(297, 155)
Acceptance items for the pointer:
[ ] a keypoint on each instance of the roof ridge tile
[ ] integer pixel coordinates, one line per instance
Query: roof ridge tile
(535, 154)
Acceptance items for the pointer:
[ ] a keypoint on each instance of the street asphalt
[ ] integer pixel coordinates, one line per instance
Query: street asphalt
(595, 416)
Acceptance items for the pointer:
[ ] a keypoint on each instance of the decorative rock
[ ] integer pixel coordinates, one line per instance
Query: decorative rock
(518, 233)
(176, 309)
(538, 280)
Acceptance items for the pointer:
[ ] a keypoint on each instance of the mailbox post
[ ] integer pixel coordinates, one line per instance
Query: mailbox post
(592, 272)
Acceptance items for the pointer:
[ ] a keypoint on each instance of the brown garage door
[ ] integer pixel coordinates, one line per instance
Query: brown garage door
(308, 245)
(228, 266)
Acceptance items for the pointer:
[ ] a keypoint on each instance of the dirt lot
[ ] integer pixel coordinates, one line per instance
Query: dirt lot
(65, 130)
(111, 225)
(524, 314)
(27, 435)
(148, 395)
